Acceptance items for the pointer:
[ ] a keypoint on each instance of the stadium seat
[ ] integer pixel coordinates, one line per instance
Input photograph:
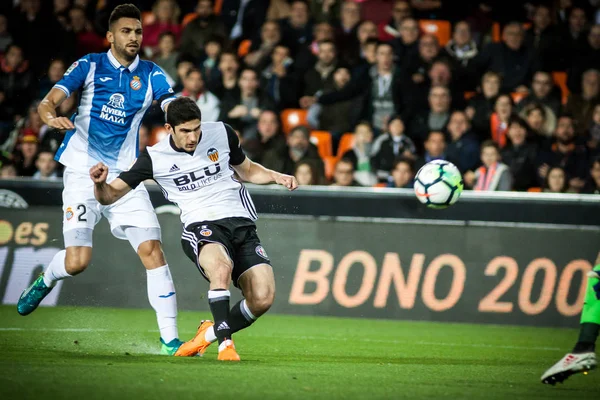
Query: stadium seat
(380, 184)
(535, 190)
(441, 29)
(469, 95)
(188, 18)
(329, 163)
(244, 48)
(148, 18)
(346, 143)
(293, 117)
(157, 134)
(560, 79)
(497, 31)
(218, 7)
(518, 96)
(322, 139)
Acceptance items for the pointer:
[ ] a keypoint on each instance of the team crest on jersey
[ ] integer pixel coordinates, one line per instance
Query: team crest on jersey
(117, 100)
(135, 83)
(206, 232)
(261, 252)
(69, 213)
(213, 154)
(71, 68)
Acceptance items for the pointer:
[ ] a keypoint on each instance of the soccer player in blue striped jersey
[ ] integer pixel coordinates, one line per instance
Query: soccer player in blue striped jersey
(116, 90)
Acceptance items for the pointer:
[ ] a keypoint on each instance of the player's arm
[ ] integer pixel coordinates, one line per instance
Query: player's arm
(253, 172)
(47, 110)
(162, 91)
(108, 193)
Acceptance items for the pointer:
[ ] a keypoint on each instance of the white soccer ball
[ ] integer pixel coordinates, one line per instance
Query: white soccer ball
(438, 184)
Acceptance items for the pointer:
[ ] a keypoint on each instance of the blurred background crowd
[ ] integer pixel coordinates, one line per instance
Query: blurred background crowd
(349, 93)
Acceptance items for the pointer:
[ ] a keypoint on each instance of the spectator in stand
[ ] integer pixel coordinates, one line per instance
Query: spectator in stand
(389, 146)
(392, 28)
(167, 54)
(269, 138)
(299, 148)
(503, 110)
(55, 73)
(184, 64)
(306, 56)
(406, 45)
(561, 11)
(61, 12)
(415, 69)
(543, 92)
(593, 134)
(463, 149)
(243, 18)
(360, 154)
(167, 14)
(6, 38)
(435, 149)
(320, 77)
(587, 57)
(46, 166)
(226, 85)
(204, 26)
(8, 171)
(520, 155)
(403, 174)
(481, 106)
(210, 59)
(241, 110)
(593, 184)
(86, 39)
(261, 49)
(493, 175)
(541, 120)
(564, 152)
(430, 9)
(367, 30)
(25, 158)
(33, 121)
(307, 174)
(543, 38)
(462, 47)
(278, 81)
(17, 85)
(325, 10)
(556, 181)
(343, 175)
(346, 32)
(296, 31)
(144, 136)
(581, 106)
(435, 118)
(511, 58)
(195, 89)
(573, 34)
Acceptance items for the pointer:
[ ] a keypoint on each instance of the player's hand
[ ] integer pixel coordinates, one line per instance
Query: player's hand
(61, 123)
(99, 173)
(288, 181)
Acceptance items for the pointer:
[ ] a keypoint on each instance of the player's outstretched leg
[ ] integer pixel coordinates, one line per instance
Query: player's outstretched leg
(258, 285)
(583, 356)
(218, 267)
(65, 264)
(161, 290)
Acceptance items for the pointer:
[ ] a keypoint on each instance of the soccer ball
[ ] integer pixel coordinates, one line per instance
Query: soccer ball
(438, 184)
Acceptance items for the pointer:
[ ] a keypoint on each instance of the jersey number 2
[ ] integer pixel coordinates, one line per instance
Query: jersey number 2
(83, 210)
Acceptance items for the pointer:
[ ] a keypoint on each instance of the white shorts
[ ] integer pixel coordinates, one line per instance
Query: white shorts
(81, 210)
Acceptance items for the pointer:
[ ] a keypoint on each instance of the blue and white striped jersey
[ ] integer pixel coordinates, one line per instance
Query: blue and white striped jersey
(113, 102)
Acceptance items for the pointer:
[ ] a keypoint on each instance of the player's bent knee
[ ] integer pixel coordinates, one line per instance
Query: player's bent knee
(77, 260)
(151, 254)
(261, 301)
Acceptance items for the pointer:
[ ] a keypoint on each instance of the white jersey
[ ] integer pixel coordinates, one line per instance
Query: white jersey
(202, 183)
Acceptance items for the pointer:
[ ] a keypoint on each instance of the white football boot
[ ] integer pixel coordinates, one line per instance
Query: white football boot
(569, 365)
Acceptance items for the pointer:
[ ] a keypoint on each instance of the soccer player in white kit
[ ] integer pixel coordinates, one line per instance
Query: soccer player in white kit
(116, 90)
(195, 166)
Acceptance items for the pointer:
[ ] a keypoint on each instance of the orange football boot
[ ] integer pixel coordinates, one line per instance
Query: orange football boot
(198, 344)
(227, 351)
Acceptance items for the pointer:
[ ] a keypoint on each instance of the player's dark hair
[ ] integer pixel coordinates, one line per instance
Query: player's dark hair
(124, 11)
(182, 110)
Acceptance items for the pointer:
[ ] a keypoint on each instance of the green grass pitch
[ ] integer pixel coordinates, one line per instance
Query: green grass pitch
(95, 353)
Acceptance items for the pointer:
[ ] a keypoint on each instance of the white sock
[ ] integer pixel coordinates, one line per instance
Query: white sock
(161, 293)
(56, 270)
(210, 336)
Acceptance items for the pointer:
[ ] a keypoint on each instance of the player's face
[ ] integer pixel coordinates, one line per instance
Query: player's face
(186, 135)
(125, 37)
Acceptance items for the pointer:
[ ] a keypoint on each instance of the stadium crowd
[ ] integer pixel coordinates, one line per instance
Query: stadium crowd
(349, 93)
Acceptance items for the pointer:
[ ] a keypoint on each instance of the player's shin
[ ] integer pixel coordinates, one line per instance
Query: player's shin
(590, 316)
(218, 300)
(161, 293)
(56, 270)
